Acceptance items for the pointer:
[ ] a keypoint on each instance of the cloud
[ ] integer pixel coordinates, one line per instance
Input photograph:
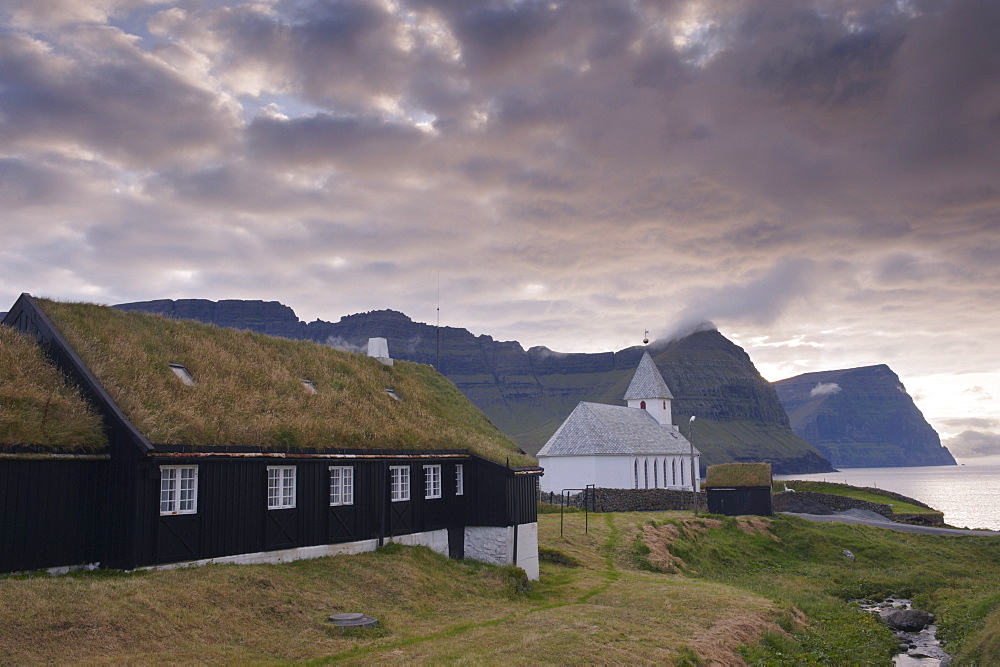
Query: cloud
(824, 389)
(971, 444)
(760, 299)
(777, 168)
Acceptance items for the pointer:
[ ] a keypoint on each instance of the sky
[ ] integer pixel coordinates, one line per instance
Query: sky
(820, 180)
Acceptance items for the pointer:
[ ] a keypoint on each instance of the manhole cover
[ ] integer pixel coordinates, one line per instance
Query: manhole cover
(353, 620)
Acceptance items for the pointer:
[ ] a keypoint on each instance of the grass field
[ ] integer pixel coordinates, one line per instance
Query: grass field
(640, 587)
(898, 506)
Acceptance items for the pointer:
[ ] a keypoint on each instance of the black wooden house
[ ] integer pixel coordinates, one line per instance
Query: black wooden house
(229, 446)
(735, 489)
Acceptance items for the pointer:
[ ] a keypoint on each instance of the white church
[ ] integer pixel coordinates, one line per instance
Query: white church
(617, 447)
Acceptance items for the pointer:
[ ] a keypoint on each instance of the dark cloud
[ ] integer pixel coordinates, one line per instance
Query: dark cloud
(971, 444)
(117, 103)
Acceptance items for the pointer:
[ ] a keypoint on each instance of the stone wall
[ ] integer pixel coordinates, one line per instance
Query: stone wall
(787, 501)
(631, 500)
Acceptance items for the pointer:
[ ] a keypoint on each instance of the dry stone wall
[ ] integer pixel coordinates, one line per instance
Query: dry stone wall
(630, 500)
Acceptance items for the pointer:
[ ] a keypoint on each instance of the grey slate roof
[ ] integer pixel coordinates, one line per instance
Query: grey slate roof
(647, 381)
(596, 428)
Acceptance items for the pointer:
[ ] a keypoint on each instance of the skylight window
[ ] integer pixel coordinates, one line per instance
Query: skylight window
(308, 384)
(392, 393)
(181, 371)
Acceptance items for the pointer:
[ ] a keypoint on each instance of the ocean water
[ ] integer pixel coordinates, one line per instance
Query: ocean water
(969, 494)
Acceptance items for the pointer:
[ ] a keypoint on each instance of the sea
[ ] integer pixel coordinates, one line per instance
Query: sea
(968, 494)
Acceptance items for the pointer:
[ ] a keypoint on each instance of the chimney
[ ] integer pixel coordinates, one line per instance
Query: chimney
(379, 348)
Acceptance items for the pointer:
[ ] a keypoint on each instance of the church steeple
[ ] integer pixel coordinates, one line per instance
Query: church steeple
(649, 392)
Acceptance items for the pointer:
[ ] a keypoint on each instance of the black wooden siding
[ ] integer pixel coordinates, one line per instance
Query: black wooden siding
(48, 513)
(740, 500)
(233, 518)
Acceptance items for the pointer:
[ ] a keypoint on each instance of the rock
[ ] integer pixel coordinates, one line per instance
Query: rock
(909, 620)
(848, 555)
(861, 418)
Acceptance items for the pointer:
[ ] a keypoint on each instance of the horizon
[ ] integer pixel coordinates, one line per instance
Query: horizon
(819, 179)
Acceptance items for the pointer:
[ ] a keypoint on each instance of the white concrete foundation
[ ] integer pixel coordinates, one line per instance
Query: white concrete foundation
(495, 544)
(436, 540)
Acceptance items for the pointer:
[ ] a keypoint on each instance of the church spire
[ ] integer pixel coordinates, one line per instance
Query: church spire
(649, 392)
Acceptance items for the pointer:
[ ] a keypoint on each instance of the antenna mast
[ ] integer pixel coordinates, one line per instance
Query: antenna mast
(438, 354)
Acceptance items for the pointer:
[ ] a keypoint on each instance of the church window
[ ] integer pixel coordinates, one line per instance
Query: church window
(645, 472)
(642, 404)
(636, 473)
(656, 474)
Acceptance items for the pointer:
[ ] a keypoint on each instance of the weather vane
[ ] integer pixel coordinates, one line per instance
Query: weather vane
(645, 337)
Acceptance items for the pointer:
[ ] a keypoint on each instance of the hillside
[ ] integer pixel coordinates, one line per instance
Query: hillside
(527, 393)
(646, 587)
(861, 418)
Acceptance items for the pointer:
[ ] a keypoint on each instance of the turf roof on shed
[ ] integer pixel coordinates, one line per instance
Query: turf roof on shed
(37, 407)
(249, 391)
(738, 474)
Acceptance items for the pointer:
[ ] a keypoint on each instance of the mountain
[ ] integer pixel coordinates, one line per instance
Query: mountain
(528, 393)
(861, 418)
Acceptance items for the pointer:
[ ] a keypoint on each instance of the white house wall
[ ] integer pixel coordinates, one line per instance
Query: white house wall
(566, 472)
(496, 544)
(616, 472)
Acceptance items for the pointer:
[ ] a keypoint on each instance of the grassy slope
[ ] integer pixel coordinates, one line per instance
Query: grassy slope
(735, 589)
(898, 506)
(249, 391)
(37, 407)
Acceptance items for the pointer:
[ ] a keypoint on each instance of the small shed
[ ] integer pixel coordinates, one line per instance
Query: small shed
(739, 488)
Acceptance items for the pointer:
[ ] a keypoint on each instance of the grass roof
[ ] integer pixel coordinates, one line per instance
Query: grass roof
(738, 474)
(249, 389)
(37, 407)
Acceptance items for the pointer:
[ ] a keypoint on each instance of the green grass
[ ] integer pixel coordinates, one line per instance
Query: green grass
(249, 392)
(37, 406)
(898, 506)
(800, 567)
(707, 590)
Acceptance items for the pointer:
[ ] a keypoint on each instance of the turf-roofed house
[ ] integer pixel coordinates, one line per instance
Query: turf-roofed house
(735, 489)
(142, 441)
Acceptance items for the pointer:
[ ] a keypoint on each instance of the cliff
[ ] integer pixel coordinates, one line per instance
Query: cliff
(860, 418)
(528, 393)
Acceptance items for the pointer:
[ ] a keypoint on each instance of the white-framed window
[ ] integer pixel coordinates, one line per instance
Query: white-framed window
(432, 481)
(459, 479)
(399, 483)
(280, 487)
(178, 490)
(341, 485)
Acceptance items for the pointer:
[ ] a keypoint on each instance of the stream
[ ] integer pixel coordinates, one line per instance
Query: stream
(918, 648)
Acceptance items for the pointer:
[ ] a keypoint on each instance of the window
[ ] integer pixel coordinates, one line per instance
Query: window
(642, 404)
(341, 485)
(280, 487)
(178, 489)
(673, 472)
(432, 481)
(399, 483)
(656, 474)
(181, 371)
(636, 472)
(459, 480)
(645, 473)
